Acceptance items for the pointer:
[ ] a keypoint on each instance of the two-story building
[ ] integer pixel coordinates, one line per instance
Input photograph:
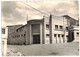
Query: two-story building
(48, 30)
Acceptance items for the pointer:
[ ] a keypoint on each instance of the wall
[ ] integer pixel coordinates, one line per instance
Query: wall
(76, 37)
(34, 28)
(60, 21)
(19, 36)
(46, 30)
(4, 41)
(12, 29)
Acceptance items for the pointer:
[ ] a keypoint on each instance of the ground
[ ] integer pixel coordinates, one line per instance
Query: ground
(60, 49)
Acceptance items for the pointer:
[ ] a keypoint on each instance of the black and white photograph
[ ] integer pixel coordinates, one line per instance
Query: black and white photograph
(40, 28)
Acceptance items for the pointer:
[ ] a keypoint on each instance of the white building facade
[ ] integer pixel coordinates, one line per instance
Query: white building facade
(48, 30)
(55, 29)
(4, 41)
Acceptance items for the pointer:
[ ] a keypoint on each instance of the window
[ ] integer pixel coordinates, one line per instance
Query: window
(67, 28)
(61, 27)
(12, 36)
(18, 35)
(47, 35)
(3, 31)
(58, 35)
(24, 34)
(67, 36)
(54, 35)
(15, 36)
(47, 26)
(77, 34)
(56, 26)
(62, 35)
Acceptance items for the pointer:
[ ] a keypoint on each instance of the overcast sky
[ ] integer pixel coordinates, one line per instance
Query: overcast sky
(16, 12)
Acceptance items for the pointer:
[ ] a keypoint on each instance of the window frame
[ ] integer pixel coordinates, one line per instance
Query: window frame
(61, 27)
(47, 35)
(56, 27)
(55, 35)
(47, 26)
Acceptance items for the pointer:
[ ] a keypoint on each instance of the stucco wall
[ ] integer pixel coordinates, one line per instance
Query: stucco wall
(18, 37)
(76, 37)
(33, 29)
(46, 30)
(60, 21)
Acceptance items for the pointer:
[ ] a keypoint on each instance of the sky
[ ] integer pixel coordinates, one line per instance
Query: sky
(17, 12)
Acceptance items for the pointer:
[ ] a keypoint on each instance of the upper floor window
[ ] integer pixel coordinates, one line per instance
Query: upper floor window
(56, 26)
(47, 35)
(47, 26)
(3, 31)
(12, 36)
(61, 27)
(15, 36)
(21, 35)
(77, 34)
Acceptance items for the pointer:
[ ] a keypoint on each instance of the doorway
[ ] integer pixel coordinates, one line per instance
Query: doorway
(36, 39)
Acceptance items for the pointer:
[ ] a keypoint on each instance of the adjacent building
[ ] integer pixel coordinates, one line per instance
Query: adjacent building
(4, 41)
(48, 30)
(11, 30)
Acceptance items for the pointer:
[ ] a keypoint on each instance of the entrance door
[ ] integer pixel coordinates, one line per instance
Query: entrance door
(36, 39)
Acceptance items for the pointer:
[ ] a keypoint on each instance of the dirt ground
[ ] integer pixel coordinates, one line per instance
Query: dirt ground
(60, 49)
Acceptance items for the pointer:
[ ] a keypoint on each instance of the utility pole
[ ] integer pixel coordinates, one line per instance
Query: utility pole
(50, 29)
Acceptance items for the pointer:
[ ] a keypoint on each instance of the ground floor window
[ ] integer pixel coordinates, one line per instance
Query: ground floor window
(55, 35)
(62, 35)
(58, 35)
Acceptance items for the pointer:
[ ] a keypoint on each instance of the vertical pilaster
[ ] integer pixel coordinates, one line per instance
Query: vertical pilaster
(44, 31)
(51, 29)
(65, 38)
(64, 30)
(41, 33)
(60, 38)
(57, 38)
(30, 35)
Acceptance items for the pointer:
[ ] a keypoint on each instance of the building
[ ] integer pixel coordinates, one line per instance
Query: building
(48, 30)
(12, 29)
(74, 34)
(4, 41)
